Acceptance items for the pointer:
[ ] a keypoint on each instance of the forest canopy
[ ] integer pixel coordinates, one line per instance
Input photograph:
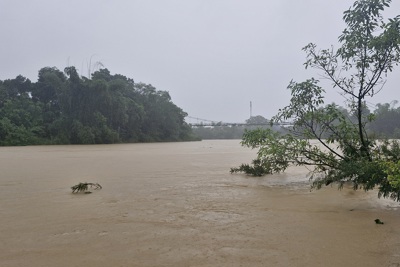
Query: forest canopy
(65, 108)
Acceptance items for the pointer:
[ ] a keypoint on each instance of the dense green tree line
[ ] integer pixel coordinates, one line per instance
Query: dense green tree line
(64, 108)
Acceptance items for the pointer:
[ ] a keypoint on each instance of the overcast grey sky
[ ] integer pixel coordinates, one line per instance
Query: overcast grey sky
(213, 56)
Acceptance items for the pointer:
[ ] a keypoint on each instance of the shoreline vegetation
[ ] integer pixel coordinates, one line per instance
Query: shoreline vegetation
(346, 153)
(65, 108)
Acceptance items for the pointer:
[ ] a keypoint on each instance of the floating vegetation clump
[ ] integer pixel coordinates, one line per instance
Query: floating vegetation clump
(84, 187)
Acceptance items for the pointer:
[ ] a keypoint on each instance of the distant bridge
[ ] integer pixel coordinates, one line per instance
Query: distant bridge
(204, 122)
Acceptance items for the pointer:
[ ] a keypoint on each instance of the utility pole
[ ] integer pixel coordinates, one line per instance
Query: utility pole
(251, 110)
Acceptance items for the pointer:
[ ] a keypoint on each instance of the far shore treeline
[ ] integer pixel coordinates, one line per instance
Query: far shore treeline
(65, 108)
(385, 123)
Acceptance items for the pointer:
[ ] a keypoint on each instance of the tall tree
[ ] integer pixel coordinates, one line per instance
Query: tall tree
(370, 48)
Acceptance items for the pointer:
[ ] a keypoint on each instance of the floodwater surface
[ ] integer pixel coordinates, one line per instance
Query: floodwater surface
(176, 204)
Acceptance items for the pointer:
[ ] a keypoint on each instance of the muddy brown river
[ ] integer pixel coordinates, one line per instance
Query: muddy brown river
(176, 204)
